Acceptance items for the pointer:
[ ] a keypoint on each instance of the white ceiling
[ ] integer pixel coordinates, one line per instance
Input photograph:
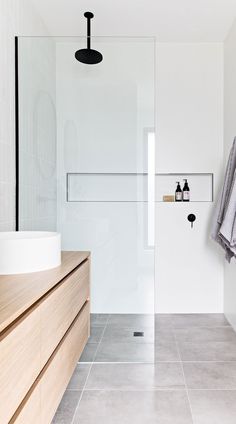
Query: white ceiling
(168, 20)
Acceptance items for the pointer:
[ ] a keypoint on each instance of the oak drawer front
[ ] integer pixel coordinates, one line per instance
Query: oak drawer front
(20, 362)
(61, 366)
(41, 402)
(30, 410)
(60, 307)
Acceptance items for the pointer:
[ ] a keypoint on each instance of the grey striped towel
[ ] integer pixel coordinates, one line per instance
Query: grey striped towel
(224, 221)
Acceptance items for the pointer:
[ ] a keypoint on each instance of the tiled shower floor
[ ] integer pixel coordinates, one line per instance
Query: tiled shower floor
(193, 379)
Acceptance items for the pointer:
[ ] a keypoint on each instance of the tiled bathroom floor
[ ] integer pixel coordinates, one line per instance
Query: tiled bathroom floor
(193, 379)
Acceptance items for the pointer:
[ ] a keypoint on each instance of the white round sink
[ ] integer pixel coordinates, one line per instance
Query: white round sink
(29, 251)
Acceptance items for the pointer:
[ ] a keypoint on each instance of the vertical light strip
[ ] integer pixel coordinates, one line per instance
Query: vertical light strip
(151, 189)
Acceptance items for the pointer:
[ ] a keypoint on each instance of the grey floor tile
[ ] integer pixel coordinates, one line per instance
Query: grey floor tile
(136, 376)
(213, 407)
(126, 407)
(199, 320)
(163, 321)
(210, 375)
(99, 319)
(125, 352)
(205, 334)
(79, 376)
(96, 334)
(123, 334)
(208, 351)
(164, 334)
(131, 320)
(67, 407)
(166, 350)
(89, 352)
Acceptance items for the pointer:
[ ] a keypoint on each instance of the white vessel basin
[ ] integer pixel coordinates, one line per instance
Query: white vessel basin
(29, 251)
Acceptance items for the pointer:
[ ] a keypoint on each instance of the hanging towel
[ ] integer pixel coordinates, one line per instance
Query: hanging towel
(224, 221)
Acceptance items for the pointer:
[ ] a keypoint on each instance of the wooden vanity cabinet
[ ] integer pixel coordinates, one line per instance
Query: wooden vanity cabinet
(40, 348)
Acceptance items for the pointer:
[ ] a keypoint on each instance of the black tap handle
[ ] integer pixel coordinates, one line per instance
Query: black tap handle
(191, 218)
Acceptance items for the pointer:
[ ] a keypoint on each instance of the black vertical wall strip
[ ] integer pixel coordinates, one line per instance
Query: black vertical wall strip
(16, 135)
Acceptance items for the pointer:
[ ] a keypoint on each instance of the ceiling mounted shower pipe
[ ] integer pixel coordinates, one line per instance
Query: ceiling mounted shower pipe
(88, 55)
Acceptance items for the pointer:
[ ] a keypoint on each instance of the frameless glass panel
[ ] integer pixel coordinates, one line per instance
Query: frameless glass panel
(105, 171)
(37, 134)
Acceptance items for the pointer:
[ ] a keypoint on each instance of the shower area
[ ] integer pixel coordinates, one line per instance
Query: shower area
(86, 168)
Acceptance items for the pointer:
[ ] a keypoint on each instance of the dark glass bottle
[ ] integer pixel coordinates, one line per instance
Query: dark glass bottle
(178, 193)
(186, 192)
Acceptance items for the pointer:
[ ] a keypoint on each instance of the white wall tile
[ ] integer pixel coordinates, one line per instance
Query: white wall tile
(16, 17)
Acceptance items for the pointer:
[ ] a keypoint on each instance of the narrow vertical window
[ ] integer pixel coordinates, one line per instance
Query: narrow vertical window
(151, 189)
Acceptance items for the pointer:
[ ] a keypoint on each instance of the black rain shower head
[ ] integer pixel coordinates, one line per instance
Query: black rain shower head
(88, 55)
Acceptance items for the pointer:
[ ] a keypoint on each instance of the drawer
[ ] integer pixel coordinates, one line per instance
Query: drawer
(60, 368)
(60, 307)
(20, 362)
(30, 409)
(41, 402)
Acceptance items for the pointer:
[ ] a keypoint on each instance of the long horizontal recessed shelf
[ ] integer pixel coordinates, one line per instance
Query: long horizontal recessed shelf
(135, 187)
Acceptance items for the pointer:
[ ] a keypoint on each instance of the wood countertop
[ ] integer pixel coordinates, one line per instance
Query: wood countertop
(19, 292)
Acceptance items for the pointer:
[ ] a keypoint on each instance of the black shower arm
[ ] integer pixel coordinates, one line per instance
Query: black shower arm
(88, 16)
(88, 33)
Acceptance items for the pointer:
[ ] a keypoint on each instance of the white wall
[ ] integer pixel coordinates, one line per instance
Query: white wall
(229, 134)
(189, 98)
(16, 17)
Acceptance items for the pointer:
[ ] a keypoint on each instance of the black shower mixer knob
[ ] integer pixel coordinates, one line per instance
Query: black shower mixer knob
(191, 218)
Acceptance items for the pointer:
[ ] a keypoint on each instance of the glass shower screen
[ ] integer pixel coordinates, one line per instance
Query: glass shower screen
(93, 145)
